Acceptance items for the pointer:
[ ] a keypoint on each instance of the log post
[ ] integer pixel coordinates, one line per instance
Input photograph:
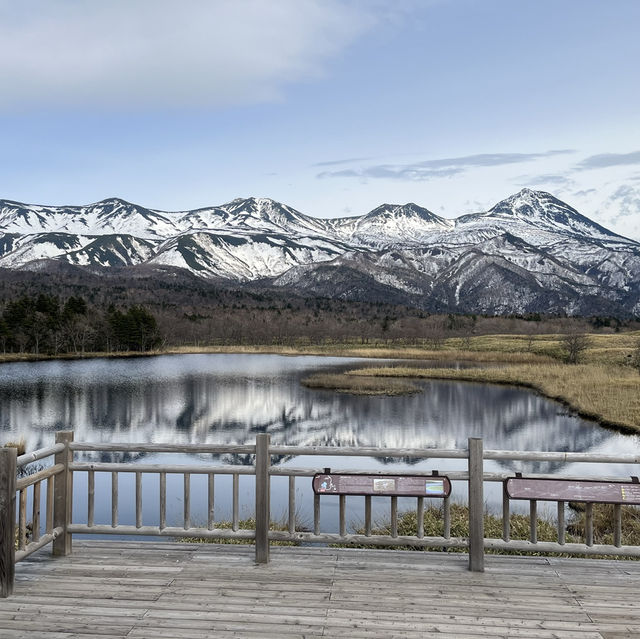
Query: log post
(476, 505)
(7, 519)
(63, 495)
(263, 462)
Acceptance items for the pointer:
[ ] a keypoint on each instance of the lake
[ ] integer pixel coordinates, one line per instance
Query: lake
(228, 399)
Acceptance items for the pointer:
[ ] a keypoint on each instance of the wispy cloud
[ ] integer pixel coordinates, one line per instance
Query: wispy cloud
(557, 179)
(627, 200)
(438, 168)
(126, 54)
(340, 162)
(605, 160)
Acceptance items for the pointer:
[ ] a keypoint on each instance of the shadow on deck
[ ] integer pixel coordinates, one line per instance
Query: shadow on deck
(114, 589)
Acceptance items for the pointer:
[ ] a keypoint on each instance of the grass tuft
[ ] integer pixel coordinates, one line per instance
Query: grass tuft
(243, 524)
(359, 385)
(520, 526)
(20, 445)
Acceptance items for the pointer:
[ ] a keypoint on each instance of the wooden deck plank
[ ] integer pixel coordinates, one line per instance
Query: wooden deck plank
(114, 589)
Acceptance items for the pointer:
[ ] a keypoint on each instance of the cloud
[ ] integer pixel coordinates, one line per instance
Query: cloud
(443, 167)
(410, 172)
(627, 200)
(339, 162)
(549, 178)
(605, 160)
(174, 53)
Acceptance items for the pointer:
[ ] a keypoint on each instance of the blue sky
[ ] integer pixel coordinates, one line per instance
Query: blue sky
(330, 106)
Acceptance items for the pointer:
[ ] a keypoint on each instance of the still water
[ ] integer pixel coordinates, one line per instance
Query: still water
(228, 399)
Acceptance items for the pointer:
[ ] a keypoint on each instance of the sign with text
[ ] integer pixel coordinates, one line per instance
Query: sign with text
(385, 485)
(587, 491)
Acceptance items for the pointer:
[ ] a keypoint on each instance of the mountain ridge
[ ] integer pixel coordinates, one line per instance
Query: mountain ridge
(529, 252)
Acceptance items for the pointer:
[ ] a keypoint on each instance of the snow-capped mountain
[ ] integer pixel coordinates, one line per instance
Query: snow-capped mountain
(391, 223)
(530, 252)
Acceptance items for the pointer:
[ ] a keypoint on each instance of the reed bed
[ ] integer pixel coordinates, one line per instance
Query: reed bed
(359, 385)
(243, 524)
(519, 527)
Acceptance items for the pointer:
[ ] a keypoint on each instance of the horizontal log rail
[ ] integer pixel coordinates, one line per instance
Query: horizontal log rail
(36, 478)
(22, 532)
(351, 451)
(160, 468)
(154, 531)
(43, 453)
(163, 448)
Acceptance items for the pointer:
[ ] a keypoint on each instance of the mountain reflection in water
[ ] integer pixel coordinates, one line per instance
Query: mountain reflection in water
(227, 399)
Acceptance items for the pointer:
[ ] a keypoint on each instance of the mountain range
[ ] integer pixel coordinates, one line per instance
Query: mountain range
(529, 253)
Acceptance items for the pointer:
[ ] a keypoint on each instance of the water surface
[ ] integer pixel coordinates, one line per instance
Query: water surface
(228, 399)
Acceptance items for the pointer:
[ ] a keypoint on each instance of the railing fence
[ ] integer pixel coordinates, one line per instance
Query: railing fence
(59, 525)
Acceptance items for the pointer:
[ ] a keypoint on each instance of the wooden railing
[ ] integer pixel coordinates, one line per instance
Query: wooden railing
(60, 525)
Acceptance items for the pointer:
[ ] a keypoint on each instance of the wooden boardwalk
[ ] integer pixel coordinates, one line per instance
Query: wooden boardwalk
(112, 589)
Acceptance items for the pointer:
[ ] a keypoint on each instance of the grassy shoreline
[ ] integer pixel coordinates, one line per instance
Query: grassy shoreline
(318, 350)
(610, 348)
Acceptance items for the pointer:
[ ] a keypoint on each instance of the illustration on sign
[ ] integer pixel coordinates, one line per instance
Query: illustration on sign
(327, 485)
(383, 485)
(434, 487)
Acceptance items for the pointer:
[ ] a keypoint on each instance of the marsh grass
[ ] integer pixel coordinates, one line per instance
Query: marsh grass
(360, 385)
(243, 524)
(452, 350)
(20, 445)
(613, 348)
(519, 528)
(603, 524)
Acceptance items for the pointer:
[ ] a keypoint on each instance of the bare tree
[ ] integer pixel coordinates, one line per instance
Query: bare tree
(573, 346)
(635, 356)
(529, 336)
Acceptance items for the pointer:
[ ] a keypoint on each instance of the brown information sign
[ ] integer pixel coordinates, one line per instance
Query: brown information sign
(385, 485)
(597, 492)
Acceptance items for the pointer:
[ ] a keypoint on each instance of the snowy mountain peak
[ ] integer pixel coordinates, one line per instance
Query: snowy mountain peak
(527, 201)
(262, 208)
(530, 212)
(418, 214)
(267, 214)
(112, 201)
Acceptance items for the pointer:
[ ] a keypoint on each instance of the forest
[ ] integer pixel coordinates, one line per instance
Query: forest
(71, 313)
(47, 325)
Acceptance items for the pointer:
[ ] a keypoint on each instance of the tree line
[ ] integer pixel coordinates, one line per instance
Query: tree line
(46, 324)
(70, 312)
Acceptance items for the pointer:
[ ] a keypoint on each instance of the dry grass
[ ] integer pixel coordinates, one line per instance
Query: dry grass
(519, 527)
(452, 350)
(605, 348)
(243, 524)
(8, 358)
(609, 394)
(603, 518)
(20, 445)
(612, 348)
(359, 385)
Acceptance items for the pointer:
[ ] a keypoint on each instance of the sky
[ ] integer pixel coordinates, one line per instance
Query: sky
(330, 106)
